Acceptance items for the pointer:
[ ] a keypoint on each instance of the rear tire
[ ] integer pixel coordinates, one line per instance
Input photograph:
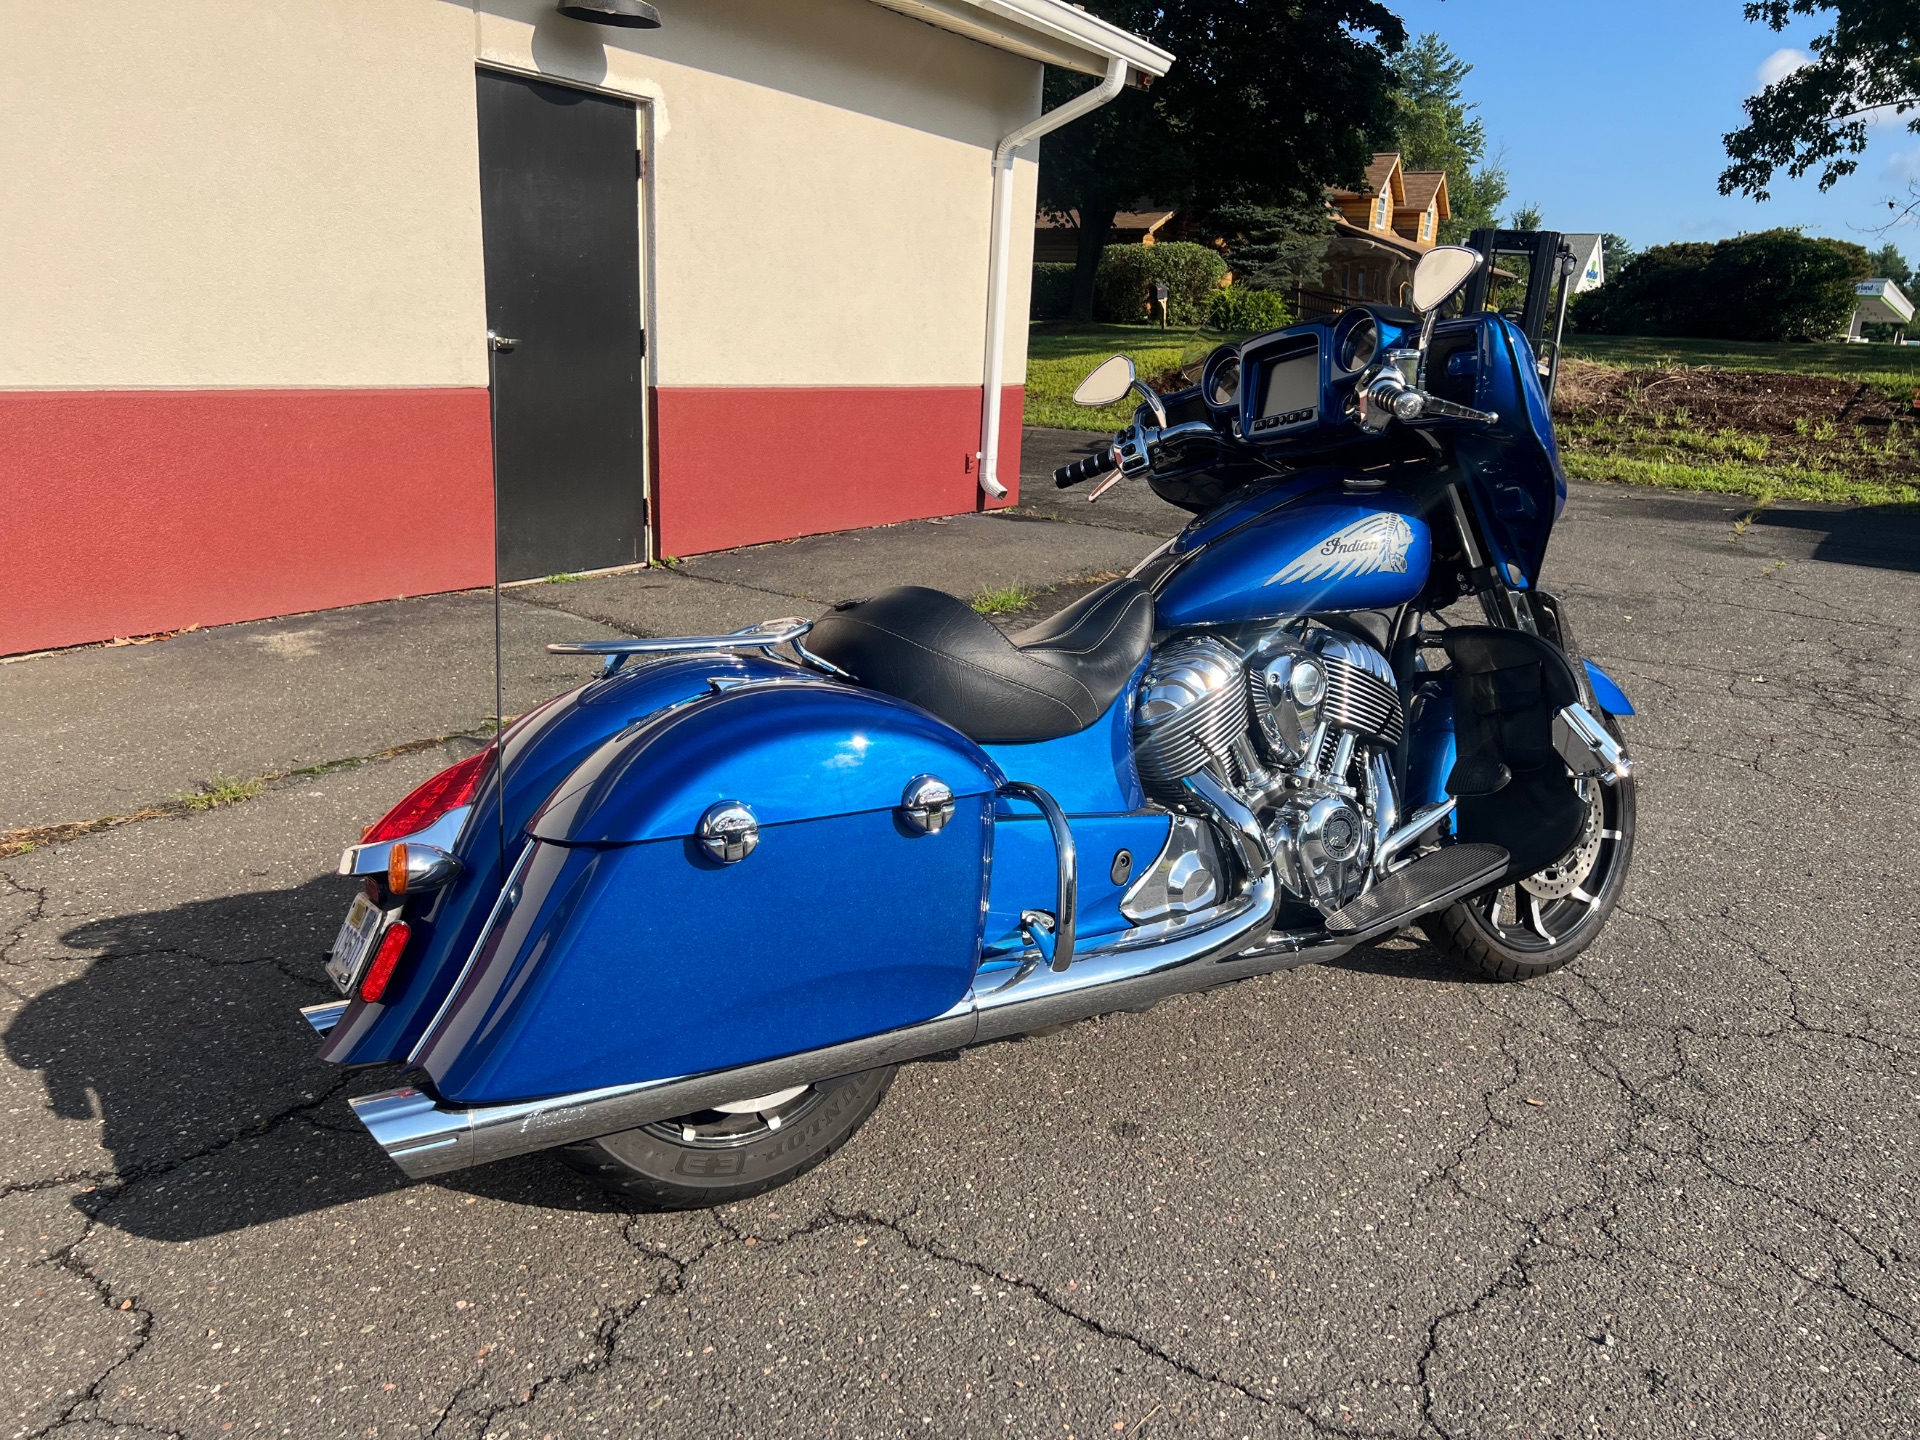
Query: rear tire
(1556, 913)
(715, 1157)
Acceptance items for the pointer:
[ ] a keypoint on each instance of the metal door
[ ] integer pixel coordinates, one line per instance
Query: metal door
(560, 220)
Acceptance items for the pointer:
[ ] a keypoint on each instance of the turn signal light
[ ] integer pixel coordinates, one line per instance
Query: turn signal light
(412, 867)
(392, 944)
(449, 790)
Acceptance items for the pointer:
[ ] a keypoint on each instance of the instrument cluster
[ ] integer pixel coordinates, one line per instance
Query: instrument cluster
(1276, 386)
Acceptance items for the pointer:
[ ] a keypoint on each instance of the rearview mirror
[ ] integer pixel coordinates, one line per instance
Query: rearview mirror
(1440, 273)
(1108, 384)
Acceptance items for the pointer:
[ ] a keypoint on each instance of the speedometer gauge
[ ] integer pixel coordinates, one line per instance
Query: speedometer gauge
(1360, 346)
(1223, 386)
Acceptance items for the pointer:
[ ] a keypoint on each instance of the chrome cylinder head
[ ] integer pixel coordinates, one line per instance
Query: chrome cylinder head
(1324, 677)
(1192, 707)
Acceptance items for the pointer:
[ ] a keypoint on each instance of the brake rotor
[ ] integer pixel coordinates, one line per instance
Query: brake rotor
(1567, 874)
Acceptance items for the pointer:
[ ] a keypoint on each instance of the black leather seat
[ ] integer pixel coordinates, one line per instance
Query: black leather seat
(927, 647)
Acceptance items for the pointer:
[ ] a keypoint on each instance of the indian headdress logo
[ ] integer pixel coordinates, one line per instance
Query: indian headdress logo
(1366, 547)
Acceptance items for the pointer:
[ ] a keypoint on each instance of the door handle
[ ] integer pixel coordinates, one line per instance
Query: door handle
(499, 342)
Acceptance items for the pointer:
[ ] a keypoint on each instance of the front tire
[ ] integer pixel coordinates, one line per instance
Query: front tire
(716, 1157)
(1528, 928)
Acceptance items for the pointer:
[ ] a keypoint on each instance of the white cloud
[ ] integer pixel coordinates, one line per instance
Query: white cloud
(1904, 166)
(1780, 64)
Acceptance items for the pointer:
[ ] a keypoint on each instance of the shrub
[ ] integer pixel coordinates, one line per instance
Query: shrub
(1774, 285)
(1190, 272)
(1052, 291)
(1247, 311)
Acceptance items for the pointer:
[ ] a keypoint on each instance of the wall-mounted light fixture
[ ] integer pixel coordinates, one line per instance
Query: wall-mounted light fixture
(627, 14)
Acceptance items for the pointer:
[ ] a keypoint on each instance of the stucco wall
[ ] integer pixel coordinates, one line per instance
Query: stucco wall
(823, 184)
(239, 192)
(262, 198)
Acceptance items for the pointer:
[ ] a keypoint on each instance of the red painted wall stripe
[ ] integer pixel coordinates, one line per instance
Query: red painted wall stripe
(126, 512)
(742, 465)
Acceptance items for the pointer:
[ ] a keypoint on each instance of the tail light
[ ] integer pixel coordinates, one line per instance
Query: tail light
(449, 790)
(393, 944)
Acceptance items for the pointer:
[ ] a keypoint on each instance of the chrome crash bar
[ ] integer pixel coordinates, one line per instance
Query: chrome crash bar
(764, 636)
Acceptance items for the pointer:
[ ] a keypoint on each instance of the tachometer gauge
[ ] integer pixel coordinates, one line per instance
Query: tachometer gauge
(1223, 386)
(1360, 346)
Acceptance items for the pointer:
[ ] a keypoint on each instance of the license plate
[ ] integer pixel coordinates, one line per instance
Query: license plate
(354, 943)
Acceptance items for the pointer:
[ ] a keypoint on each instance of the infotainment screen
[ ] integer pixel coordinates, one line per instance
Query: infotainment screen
(1291, 395)
(1293, 385)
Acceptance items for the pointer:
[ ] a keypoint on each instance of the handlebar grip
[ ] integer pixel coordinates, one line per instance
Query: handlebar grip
(1099, 463)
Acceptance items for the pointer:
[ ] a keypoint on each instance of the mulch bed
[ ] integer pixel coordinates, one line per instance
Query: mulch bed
(1753, 401)
(1815, 421)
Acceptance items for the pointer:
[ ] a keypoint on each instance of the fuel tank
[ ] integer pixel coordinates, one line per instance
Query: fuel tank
(1295, 549)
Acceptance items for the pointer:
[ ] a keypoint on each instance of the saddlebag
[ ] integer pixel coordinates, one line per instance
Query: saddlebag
(653, 932)
(1513, 789)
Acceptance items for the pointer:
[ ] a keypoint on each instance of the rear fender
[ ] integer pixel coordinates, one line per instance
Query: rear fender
(632, 955)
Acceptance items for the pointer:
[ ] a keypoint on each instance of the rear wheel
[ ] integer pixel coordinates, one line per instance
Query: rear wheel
(1532, 927)
(734, 1151)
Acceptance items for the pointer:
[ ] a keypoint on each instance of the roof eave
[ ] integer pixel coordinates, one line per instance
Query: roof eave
(1050, 31)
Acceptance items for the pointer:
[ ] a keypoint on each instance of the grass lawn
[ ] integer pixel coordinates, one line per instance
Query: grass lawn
(1893, 368)
(1059, 357)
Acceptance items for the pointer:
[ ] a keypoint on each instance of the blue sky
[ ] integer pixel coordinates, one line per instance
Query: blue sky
(1611, 116)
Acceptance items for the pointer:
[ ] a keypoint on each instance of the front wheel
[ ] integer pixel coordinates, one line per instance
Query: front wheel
(1532, 927)
(733, 1151)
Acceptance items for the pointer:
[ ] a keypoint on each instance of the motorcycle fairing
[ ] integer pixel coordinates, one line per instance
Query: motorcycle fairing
(631, 955)
(1519, 489)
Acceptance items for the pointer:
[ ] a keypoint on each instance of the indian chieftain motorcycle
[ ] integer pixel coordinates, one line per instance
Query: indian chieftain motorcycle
(722, 891)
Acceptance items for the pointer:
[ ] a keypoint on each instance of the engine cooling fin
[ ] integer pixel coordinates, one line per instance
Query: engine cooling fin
(1436, 879)
(1359, 701)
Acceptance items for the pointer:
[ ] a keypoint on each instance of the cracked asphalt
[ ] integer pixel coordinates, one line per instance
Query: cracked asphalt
(1668, 1191)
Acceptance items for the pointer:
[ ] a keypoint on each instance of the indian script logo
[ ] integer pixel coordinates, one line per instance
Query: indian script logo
(1366, 547)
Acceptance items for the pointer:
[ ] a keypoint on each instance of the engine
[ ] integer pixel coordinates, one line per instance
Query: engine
(1299, 728)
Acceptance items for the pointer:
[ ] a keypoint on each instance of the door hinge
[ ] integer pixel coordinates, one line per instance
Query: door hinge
(639, 164)
(643, 344)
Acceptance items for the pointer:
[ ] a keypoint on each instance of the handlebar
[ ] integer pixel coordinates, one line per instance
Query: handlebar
(1098, 463)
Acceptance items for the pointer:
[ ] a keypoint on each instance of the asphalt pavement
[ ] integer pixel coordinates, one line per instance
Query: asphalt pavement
(1668, 1191)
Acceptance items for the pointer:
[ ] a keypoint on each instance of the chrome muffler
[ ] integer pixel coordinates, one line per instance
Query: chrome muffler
(424, 1137)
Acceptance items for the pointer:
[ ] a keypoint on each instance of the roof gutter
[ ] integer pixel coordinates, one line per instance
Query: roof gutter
(998, 258)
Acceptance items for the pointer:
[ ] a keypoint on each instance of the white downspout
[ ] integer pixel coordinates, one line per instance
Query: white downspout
(1002, 225)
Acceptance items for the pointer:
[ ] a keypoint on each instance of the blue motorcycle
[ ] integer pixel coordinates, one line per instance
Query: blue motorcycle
(682, 924)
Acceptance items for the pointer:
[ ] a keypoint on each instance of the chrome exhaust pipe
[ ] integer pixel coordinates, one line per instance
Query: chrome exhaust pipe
(424, 1137)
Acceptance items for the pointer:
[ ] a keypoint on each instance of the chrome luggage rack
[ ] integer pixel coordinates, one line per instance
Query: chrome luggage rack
(765, 636)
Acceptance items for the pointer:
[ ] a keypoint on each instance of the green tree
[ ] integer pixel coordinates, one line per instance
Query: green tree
(1615, 252)
(1527, 218)
(1435, 128)
(1867, 63)
(1274, 247)
(1269, 102)
(1888, 263)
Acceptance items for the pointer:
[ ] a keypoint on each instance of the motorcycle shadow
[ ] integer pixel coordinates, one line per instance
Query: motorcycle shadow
(181, 1045)
(1407, 956)
(1882, 537)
